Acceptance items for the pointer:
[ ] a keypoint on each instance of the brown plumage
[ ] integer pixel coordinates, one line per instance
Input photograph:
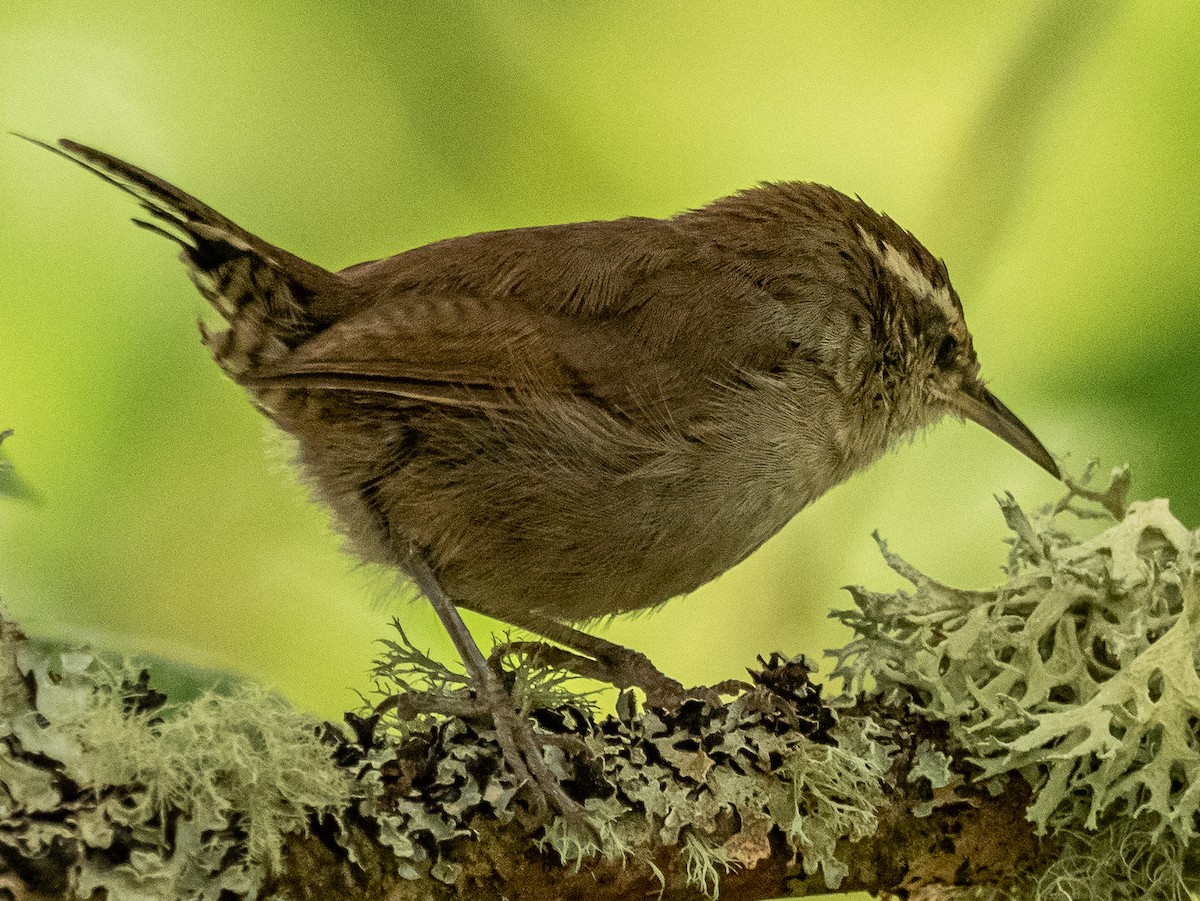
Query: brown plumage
(579, 420)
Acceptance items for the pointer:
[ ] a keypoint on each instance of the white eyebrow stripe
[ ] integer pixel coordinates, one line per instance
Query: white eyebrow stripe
(912, 277)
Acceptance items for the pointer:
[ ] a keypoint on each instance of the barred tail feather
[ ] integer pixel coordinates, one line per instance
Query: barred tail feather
(272, 300)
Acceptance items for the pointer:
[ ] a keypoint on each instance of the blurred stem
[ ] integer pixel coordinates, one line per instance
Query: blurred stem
(981, 185)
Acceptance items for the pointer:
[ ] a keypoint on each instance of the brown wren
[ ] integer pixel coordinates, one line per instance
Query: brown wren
(553, 424)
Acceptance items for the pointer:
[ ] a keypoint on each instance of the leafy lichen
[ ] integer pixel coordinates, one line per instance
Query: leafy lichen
(200, 795)
(710, 781)
(1079, 673)
(132, 798)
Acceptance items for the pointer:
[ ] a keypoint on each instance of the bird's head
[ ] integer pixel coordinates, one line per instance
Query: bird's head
(865, 309)
(926, 356)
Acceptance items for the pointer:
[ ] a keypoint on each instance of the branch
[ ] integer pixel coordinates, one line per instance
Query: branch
(1034, 741)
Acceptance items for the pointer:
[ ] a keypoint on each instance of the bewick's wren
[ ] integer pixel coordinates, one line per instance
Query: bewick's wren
(554, 424)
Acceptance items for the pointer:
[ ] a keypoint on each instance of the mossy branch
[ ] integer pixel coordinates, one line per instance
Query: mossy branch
(1036, 741)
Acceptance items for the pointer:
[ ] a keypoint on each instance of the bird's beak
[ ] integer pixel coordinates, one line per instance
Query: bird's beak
(975, 402)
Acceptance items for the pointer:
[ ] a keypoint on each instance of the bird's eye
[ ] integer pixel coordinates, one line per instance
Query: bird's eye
(946, 351)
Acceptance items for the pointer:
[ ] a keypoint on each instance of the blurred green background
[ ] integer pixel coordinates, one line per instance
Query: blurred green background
(1047, 150)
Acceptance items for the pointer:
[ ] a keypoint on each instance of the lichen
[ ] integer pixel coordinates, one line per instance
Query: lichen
(1120, 862)
(200, 795)
(134, 798)
(1079, 673)
(709, 780)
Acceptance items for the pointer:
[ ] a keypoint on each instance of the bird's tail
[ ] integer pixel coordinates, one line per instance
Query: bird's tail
(270, 299)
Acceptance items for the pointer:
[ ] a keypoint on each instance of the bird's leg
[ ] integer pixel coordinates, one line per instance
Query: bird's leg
(596, 658)
(518, 746)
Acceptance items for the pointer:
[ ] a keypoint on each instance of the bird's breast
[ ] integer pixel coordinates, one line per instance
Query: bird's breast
(578, 515)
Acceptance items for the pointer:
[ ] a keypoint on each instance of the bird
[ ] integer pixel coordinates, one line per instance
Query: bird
(554, 424)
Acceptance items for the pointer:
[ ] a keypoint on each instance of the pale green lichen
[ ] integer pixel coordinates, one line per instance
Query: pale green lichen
(1079, 673)
(834, 792)
(705, 863)
(201, 794)
(934, 767)
(712, 782)
(1121, 862)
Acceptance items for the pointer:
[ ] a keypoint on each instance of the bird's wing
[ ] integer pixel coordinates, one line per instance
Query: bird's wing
(612, 311)
(457, 349)
(581, 269)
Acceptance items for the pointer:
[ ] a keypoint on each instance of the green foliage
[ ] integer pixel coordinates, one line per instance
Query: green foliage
(1079, 673)
(204, 792)
(11, 484)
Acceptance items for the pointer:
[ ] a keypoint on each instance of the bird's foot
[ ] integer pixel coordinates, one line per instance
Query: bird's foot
(521, 753)
(520, 748)
(521, 744)
(623, 668)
